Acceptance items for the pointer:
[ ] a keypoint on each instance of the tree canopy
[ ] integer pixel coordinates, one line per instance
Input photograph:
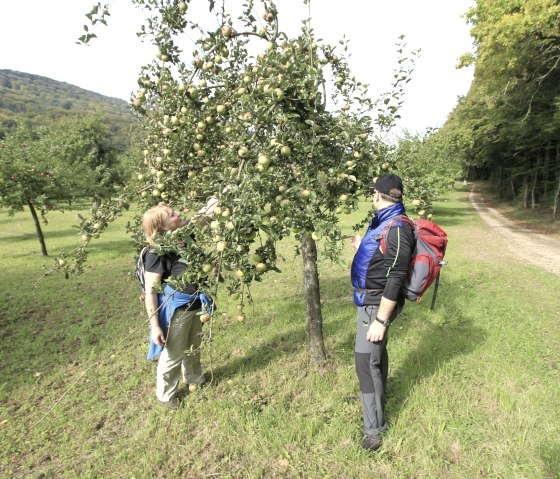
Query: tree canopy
(508, 127)
(275, 127)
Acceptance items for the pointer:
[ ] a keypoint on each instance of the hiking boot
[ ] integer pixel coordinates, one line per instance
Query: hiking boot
(173, 403)
(371, 443)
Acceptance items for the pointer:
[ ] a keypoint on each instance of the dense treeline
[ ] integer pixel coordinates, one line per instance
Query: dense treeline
(507, 129)
(41, 101)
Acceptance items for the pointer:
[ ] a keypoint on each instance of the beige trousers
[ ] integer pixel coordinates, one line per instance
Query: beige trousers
(180, 355)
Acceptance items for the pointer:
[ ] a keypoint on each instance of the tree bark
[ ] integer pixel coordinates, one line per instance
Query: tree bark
(38, 228)
(534, 180)
(556, 206)
(498, 181)
(525, 192)
(546, 171)
(315, 341)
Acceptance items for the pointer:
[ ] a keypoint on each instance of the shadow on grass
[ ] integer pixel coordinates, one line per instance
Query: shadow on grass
(6, 220)
(32, 235)
(447, 216)
(112, 247)
(288, 342)
(438, 344)
(551, 458)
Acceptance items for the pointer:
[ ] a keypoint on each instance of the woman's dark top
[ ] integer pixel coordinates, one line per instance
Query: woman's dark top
(169, 265)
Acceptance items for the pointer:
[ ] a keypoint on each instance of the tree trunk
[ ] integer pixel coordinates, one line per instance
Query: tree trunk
(546, 171)
(498, 182)
(38, 228)
(533, 186)
(534, 181)
(556, 207)
(315, 341)
(525, 192)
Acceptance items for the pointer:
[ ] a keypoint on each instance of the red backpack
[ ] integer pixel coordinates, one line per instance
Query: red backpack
(427, 257)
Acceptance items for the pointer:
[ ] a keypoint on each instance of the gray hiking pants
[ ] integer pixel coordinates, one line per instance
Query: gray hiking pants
(372, 367)
(181, 354)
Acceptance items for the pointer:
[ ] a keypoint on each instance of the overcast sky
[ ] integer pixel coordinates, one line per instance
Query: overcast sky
(38, 36)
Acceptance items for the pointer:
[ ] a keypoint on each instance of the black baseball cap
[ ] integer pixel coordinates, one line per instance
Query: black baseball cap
(386, 183)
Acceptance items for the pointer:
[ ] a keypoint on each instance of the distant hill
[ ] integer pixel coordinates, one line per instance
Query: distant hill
(41, 100)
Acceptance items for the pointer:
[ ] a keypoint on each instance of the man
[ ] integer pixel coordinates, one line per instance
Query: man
(377, 278)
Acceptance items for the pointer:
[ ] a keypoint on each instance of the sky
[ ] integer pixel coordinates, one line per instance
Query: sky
(39, 37)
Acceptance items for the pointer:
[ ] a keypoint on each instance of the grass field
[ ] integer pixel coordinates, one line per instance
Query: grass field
(473, 386)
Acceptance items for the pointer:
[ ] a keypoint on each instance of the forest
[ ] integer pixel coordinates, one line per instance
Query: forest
(507, 128)
(40, 101)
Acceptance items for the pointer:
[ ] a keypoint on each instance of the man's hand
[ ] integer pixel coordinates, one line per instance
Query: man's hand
(355, 241)
(157, 336)
(376, 332)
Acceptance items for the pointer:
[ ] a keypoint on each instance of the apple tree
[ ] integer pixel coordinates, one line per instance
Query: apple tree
(51, 166)
(275, 127)
(429, 167)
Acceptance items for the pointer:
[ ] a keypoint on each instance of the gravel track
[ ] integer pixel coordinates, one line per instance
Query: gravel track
(535, 248)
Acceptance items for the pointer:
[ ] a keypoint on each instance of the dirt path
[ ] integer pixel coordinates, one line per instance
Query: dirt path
(536, 248)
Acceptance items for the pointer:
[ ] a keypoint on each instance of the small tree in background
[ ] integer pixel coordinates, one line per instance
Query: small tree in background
(50, 167)
(429, 166)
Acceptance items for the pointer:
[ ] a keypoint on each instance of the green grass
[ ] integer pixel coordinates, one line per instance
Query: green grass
(473, 385)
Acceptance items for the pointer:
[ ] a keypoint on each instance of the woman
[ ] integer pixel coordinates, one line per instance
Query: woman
(175, 326)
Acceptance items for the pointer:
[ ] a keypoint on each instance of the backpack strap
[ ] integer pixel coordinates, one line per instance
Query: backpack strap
(382, 236)
(140, 267)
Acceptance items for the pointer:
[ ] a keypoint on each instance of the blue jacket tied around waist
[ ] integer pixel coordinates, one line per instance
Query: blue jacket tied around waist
(368, 247)
(168, 302)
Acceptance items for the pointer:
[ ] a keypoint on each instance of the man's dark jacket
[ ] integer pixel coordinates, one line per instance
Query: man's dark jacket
(375, 273)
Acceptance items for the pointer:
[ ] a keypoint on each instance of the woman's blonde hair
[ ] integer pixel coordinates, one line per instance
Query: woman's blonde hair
(153, 221)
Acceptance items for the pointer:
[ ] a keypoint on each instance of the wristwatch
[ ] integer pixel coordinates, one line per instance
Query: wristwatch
(384, 322)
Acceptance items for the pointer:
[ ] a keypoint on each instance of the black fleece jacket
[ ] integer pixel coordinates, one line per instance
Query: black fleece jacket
(387, 270)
